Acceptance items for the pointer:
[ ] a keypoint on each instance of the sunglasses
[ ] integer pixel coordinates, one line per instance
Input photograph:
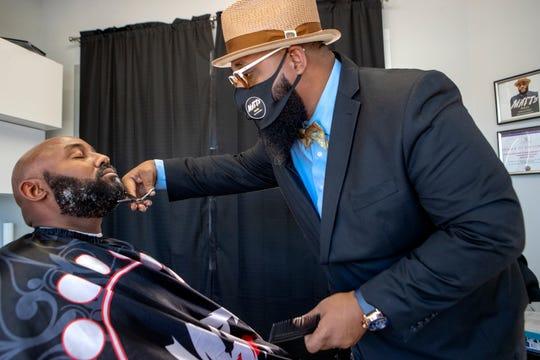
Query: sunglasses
(239, 79)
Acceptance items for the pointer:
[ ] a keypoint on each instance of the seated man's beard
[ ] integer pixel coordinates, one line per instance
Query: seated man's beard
(85, 198)
(280, 135)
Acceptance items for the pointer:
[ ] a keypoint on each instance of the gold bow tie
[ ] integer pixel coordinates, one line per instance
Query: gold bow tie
(313, 132)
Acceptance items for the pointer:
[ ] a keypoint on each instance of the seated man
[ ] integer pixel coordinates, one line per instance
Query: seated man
(67, 291)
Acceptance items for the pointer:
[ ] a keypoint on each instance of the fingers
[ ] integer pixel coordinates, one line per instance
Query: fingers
(140, 179)
(312, 312)
(316, 310)
(340, 324)
(299, 321)
(148, 182)
(317, 341)
(313, 341)
(130, 185)
(138, 182)
(141, 206)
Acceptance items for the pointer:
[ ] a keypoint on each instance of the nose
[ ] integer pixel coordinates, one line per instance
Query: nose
(102, 159)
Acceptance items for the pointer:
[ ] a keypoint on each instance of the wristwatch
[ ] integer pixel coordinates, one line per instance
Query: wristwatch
(374, 320)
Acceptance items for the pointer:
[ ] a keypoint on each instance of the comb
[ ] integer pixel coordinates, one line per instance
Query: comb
(293, 329)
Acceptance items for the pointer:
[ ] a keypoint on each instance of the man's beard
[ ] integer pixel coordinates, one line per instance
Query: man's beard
(85, 198)
(280, 135)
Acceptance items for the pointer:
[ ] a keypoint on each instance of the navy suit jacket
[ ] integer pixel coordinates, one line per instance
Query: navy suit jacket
(418, 212)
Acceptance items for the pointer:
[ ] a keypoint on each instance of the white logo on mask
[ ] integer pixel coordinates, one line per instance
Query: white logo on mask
(255, 108)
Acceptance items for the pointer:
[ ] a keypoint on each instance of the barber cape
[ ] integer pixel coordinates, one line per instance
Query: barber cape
(68, 295)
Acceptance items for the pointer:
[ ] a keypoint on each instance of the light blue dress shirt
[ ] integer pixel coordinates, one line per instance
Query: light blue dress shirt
(310, 163)
(161, 178)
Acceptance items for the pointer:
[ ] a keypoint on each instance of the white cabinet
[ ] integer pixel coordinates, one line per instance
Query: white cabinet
(15, 140)
(30, 88)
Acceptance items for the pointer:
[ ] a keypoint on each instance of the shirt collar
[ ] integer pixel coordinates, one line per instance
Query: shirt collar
(52, 233)
(75, 231)
(325, 107)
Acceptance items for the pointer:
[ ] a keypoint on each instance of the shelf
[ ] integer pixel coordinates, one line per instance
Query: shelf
(31, 88)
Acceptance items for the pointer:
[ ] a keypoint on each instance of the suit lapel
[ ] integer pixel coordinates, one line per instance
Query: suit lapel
(298, 186)
(300, 203)
(341, 138)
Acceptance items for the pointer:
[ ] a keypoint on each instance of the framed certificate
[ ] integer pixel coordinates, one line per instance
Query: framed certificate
(516, 97)
(519, 150)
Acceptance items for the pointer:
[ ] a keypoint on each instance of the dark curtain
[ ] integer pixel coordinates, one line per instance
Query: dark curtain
(360, 23)
(147, 92)
(144, 95)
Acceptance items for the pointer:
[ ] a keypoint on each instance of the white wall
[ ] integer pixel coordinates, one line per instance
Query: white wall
(22, 19)
(31, 91)
(10, 212)
(66, 18)
(475, 42)
(19, 20)
(15, 140)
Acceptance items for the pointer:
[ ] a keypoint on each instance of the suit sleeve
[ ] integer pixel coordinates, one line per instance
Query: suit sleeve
(468, 195)
(220, 174)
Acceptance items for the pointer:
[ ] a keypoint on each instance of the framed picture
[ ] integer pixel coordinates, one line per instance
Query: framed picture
(519, 150)
(516, 97)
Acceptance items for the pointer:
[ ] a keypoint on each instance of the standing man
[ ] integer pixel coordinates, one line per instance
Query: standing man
(418, 224)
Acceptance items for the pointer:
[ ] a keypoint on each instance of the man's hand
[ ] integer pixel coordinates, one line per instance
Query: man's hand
(138, 181)
(340, 324)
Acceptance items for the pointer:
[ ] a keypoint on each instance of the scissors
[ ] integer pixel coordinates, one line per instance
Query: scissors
(135, 199)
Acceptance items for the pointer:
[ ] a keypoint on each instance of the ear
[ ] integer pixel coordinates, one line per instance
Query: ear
(33, 190)
(299, 59)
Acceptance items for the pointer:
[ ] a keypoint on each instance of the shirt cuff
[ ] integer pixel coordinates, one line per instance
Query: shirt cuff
(366, 308)
(161, 178)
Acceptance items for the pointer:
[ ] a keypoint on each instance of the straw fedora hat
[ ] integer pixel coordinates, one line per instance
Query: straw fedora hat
(252, 26)
(525, 81)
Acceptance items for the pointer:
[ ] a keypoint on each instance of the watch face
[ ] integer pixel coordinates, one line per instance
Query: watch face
(378, 324)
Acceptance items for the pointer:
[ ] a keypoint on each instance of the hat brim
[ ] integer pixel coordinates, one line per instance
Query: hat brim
(521, 81)
(327, 36)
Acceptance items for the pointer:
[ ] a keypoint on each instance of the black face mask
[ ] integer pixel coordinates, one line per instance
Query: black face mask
(258, 102)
